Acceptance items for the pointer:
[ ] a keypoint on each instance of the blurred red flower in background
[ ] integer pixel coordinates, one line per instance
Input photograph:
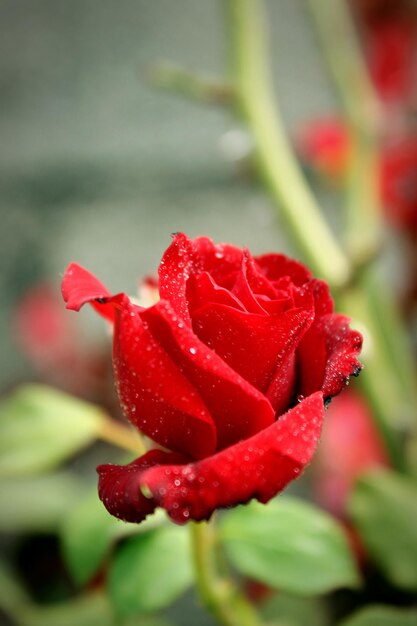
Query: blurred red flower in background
(349, 445)
(57, 350)
(388, 30)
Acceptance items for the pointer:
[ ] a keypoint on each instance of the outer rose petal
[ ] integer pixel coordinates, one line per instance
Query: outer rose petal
(328, 356)
(238, 409)
(172, 414)
(258, 467)
(156, 396)
(174, 270)
(80, 286)
(343, 347)
(119, 486)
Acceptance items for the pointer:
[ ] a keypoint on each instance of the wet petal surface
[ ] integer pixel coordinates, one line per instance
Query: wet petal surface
(237, 408)
(119, 486)
(258, 467)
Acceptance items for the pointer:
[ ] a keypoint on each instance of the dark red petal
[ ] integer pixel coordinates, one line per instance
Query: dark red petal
(328, 355)
(255, 346)
(257, 280)
(237, 408)
(174, 270)
(202, 289)
(243, 290)
(79, 286)
(119, 486)
(283, 385)
(343, 346)
(312, 353)
(274, 266)
(323, 302)
(156, 396)
(258, 467)
(220, 260)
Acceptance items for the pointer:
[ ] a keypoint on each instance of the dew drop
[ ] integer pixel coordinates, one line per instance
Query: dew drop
(193, 350)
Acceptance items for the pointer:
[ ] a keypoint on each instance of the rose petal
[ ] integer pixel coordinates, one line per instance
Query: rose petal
(186, 257)
(243, 291)
(174, 270)
(202, 289)
(119, 486)
(343, 346)
(312, 354)
(255, 346)
(79, 286)
(328, 356)
(257, 280)
(155, 395)
(237, 408)
(274, 266)
(258, 467)
(221, 260)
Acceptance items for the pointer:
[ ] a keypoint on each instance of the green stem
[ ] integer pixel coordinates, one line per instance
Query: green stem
(121, 436)
(275, 159)
(382, 379)
(220, 596)
(390, 385)
(362, 117)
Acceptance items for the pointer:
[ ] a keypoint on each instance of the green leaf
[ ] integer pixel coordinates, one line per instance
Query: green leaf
(383, 506)
(41, 427)
(286, 610)
(37, 503)
(12, 594)
(289, 545)
(151, 570)
(382, 616)
(91, 610)
(89, 532)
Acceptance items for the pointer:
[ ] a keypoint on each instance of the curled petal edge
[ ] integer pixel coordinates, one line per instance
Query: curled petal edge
(258, 467)
(79, 287)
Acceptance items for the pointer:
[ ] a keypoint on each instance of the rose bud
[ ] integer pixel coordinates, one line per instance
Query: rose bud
(228, 373)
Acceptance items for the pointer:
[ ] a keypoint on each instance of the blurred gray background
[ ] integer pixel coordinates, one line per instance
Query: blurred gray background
(99, 167)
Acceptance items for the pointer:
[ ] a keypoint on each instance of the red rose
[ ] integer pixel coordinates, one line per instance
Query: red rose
(228, 371)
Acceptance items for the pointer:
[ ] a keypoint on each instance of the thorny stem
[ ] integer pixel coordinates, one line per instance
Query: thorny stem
(121, 436)
(276, 161)
(220, 596)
